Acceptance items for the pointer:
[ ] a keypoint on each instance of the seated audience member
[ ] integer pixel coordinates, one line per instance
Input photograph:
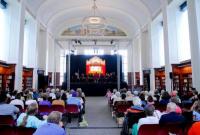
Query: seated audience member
(171, 116)
(117, 98)
(123, 97)
(74, 100)
(176, 101)
(129, 96)
(53, 125)
(52, 94)
(165, 98)
(29, 99)
(142, 97)
(108, 94)
(45, 100)
(150, 118)
(113, 94)
(7, 109)
(64, 97)
(194, 130)
(58, 101)
(29, 119)
(35, 94)
(150, 100)
(137, 106)
(196, 111)
(18, 101)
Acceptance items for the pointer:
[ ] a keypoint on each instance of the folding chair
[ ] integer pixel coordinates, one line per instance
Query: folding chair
(7, 120)
(58, 108)
(44, 109)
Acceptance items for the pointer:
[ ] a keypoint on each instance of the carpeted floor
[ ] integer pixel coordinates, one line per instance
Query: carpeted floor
(99, 119)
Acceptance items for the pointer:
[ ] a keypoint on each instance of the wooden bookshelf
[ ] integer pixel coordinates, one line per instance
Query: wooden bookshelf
(27, 78)
(160, 78)
(146, 79)
(137, 78)
(7, 76)
(182, 76)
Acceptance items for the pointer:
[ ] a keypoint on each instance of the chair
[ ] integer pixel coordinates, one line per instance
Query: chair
(24, 131)
(151, 129)
(7, 120)
(59, 108)
(7, 130)
(44, 109)
(121, 107)
(72, 109)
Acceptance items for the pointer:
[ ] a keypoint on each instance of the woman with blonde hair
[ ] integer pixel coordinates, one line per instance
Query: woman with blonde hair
(29, 119)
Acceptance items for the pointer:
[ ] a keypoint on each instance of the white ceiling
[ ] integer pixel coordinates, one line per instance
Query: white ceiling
(128, 15)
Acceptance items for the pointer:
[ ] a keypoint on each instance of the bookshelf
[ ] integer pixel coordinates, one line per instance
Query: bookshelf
(182, 76)
(137, 78)
(7, 76)
(160, 78)
(27, 78)
(146, 79)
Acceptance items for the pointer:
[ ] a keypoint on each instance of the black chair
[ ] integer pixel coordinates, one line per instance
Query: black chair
(134, 118)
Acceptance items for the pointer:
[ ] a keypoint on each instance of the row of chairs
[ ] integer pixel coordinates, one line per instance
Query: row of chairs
(45, 109)
(10, 130)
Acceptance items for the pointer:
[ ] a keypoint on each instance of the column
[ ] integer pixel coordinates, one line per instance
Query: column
(118, 69)
(140, 58)
(168, 67)
(19, 65)
(194, 41)
(68, 65)
(35, 75)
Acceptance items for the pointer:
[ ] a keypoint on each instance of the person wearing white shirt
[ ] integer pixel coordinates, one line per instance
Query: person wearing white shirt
(18, 101)
(150, 118)
(30, 100)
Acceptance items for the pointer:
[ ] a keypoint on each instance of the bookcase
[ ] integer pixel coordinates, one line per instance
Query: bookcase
(146, 80)
(137, 78)
(182, 76)
(27, 81)
(160, 78)
(7, 76)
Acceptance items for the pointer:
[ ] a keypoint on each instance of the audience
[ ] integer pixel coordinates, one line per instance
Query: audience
(29, 99)
(117, 98)
(53, 125)
(196, 111)
(18, 101)
(58, 101)
(150, 118)
(171, 116)
(7, 109)
(29, 119)
(45, 100)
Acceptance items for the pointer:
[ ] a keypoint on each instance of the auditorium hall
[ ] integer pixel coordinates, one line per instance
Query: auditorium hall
(99, 67)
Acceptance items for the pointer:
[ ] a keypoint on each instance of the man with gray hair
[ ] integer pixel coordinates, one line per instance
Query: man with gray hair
(171, 116)
(53, 125)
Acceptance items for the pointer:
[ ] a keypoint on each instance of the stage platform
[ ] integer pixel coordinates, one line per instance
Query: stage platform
(95, 89)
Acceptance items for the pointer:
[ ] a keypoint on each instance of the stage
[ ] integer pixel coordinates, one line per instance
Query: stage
(94, 89)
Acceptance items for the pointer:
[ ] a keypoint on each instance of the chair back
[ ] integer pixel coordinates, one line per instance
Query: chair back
(7, 120)
(44, 109)
(151, 129)
(7, 130)
(134, 118)
(24, 131)
(72, 108)
(122, 106)
(20, 108)
(58, 108)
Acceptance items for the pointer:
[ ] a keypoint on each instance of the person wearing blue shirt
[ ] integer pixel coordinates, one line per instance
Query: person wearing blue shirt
(29, 119)
(53, 125)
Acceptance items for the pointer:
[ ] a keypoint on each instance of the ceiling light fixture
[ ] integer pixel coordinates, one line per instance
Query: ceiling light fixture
(94, 25)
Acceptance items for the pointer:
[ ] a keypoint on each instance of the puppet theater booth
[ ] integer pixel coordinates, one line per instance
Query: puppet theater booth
(95, 74)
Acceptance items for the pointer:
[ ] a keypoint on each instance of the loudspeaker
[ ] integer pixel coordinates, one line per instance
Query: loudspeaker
(171, 75)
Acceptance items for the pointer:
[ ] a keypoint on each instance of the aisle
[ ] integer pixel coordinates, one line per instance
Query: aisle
(99, 118)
